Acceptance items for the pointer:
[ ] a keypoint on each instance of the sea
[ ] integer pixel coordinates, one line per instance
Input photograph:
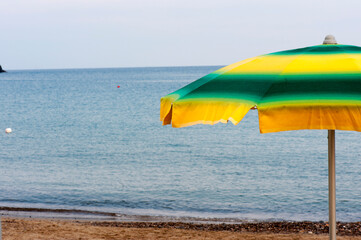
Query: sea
(91, 140)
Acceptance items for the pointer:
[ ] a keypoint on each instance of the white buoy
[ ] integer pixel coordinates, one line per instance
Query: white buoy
(8, 130)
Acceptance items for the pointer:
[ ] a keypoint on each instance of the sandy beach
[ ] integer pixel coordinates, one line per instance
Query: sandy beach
(29, 228)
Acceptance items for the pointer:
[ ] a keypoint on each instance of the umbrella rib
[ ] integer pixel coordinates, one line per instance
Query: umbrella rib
(281, 73)
(220, 73)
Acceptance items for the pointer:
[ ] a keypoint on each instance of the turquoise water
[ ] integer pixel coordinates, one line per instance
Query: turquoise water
(80, 142)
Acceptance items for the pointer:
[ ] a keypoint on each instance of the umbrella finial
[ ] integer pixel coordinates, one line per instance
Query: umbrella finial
(329, 39)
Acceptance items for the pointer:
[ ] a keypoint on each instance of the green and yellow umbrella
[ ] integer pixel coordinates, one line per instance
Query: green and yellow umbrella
(317, 87)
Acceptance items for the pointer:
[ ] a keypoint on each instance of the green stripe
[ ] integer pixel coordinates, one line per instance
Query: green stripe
(270, 87)
(316, 86)
(251, 87)
(321, 49)
(194, 85)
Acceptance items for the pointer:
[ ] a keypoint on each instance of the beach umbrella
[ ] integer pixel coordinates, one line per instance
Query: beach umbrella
(316, 87)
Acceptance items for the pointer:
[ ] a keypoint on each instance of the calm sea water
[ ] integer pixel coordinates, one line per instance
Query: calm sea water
(80, 142)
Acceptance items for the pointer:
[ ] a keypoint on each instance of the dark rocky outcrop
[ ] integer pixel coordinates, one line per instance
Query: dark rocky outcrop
(2, 70)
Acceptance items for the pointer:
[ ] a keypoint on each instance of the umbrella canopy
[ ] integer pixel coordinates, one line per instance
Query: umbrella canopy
(317, 87)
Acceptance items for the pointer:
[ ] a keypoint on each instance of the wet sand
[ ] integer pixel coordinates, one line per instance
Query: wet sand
(29, 228)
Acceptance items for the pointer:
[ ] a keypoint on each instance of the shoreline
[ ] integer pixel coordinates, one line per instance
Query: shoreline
(108, 219)
(77, 214)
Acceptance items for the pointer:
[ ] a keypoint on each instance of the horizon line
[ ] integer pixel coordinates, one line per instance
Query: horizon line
(25, 69)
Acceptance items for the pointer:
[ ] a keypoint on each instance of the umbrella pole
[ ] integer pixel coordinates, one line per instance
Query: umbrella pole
(331, 185)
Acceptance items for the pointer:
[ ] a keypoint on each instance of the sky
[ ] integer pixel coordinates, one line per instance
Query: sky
(56, 34)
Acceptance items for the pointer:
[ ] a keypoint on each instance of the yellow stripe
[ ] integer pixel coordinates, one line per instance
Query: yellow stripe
(332, 63)
(234, 65)
(262, 64)
(298, 64)
(165, 108)
(309, 102)
(312, 117)
(211, 112)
